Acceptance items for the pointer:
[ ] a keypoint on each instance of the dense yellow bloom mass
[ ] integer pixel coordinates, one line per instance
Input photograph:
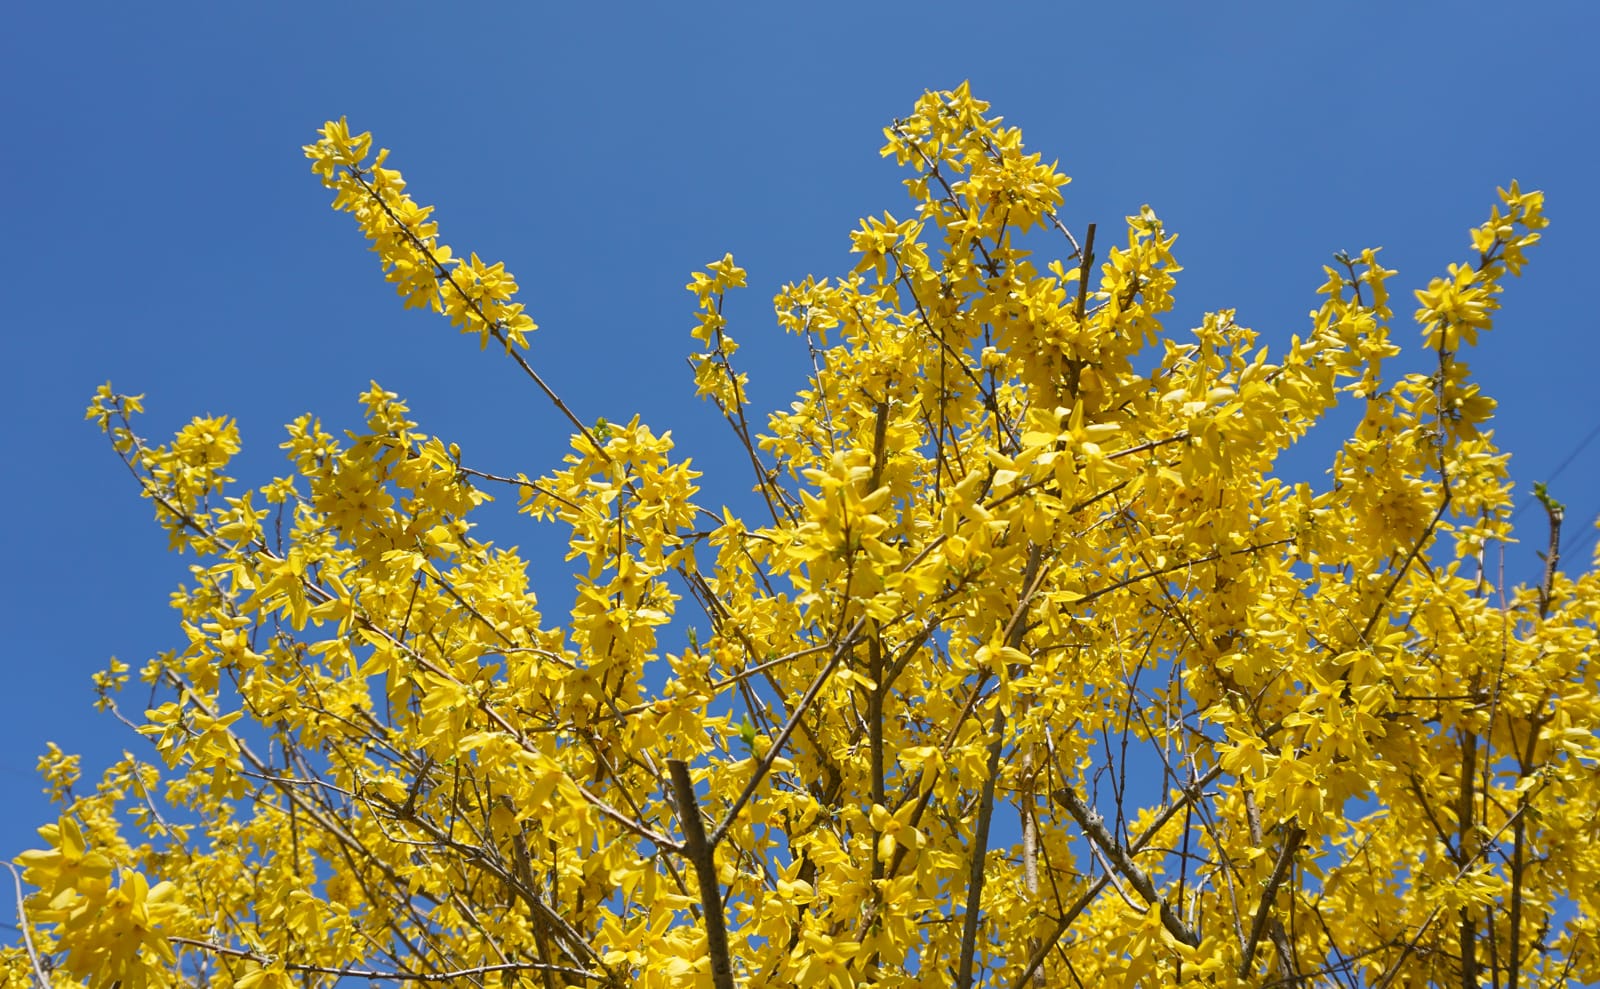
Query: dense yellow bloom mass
(1032, 669)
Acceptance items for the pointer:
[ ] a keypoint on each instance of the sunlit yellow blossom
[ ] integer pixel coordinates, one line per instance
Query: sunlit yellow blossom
(1029, 664)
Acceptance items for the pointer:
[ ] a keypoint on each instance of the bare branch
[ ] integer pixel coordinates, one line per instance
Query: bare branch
(980, 848)
(1280, 872)
(1094, 827)
(702, 855)
(1191, 794)
(27, 930)
(398, 976)
(765, 765)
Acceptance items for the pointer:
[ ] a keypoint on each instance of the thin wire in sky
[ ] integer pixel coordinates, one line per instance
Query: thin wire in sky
(1561, 467)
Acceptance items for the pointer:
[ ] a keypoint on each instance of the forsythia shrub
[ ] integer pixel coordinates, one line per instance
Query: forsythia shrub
(1031, 670)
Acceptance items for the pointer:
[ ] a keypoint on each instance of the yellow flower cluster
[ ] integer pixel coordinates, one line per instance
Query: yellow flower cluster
(476, 296)
(1022, 553)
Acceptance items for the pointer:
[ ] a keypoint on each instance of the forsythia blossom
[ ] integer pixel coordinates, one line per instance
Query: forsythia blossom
(1031, 666)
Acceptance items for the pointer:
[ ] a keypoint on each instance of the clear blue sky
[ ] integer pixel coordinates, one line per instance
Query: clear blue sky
(163, 230)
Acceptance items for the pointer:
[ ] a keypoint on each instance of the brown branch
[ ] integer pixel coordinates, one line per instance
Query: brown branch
(946, 350)
(27, 931)
(1028, 812)
(766, 481)
(1555, 511)
(1055, 221)
(262, 552)
(572, 942)
(1118, 585)
(353, 973)
(875, 698)
(1095, 829)
(1190, 794)
(1466, 831)
(1393, 971)
(520, 482)
(875, 736)
(980, 850)
(782, 738)
(1033, 578)
(1280, 872)
(493, 326)
(1518, 875)
(1405, 567)
(1086, 258)
(1552, 557)
(702, 856)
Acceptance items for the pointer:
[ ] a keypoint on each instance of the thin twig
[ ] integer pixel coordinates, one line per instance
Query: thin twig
(27, 930)
(493, 326)
(782, 738)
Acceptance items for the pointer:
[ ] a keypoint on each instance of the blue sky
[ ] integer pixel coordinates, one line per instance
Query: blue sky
(166, 234)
